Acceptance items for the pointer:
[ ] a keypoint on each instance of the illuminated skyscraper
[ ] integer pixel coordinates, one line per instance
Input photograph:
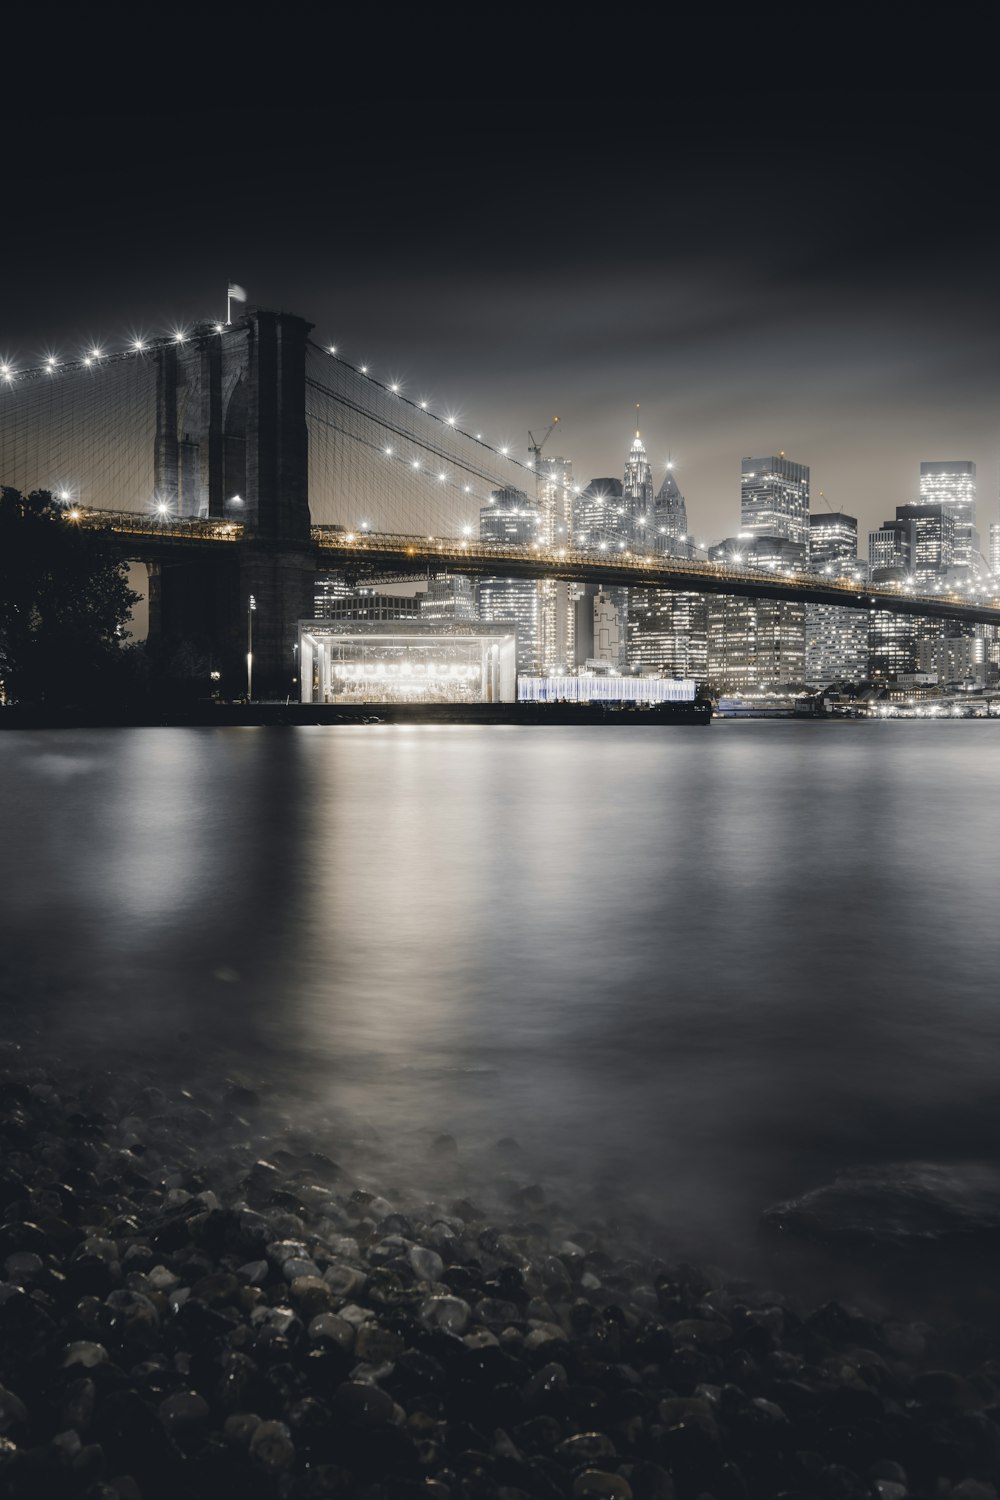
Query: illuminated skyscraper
(933, 538)
(597, 511)
(554, 488)
(952, 482)
(670, 521)
(512, 519)
(774, 499)
(754, 643)
(667, 632)
(637, 491)
(833, 539)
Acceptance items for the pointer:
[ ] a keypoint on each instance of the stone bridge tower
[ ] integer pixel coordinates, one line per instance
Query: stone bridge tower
(232, 443)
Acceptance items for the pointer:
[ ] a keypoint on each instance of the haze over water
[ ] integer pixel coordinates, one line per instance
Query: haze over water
(694, 969)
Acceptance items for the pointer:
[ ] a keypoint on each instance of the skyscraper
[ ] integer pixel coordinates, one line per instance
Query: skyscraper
(952, 482)
(833, 540)
(754, 643)
(597, 512)
(667, 632)
(670, 522)
(933, 532)
(511, 518)
(637, 491)
(554, 488)
(774, 499)
(836, 638)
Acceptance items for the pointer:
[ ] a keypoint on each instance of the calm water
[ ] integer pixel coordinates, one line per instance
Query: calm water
(706, 966)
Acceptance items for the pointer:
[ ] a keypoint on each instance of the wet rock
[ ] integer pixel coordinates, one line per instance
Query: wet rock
(13, 1412)
(84, 1353)
(449, 1313)
(601, 1485)
(272, 1448)
(362, 1405)
(183, 1413)
(427, 1264)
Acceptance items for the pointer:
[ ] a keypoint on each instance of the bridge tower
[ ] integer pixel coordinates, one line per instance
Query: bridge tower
(232, 443)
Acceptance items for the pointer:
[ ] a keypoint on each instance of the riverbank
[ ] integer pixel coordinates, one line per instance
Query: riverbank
(203, 1297)
(234, 715)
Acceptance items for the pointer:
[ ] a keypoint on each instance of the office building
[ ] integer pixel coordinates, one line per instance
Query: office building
(833, 542)
(774, 499)
(637, 493)
(952, 483)
(754, 643)
(511, 518)
(669, 529)
(836, 645)
(598, 515)
(889, 550)
(450, 599)
(334, 599)
(667, 632)
(932, 539)
(554, 491)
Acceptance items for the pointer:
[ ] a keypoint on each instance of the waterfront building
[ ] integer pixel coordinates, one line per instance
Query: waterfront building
(894, 642)
(836, 639)
(952, 483)
(605, 687)
(774, 499)
(667, 631)
(995, 549)
(953, 658)
(608, 631)
(754, 643)
(405, 662)
(836, 645)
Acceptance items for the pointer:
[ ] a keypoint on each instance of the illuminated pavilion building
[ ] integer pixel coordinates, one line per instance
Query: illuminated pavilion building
(403, 661)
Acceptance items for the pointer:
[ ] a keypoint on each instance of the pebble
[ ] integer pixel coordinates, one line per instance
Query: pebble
(286, 1333)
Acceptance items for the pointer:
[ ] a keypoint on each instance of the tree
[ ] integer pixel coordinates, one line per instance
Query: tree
(64, 603)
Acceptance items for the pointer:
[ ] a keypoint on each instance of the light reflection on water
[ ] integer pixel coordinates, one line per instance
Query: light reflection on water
(707, 965)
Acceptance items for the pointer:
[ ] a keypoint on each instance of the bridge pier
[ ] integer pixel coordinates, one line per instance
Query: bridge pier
(282, 581)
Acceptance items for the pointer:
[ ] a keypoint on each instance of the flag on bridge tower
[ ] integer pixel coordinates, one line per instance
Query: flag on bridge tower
(234, 294)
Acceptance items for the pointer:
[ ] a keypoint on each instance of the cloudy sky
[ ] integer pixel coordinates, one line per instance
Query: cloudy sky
(821, 281)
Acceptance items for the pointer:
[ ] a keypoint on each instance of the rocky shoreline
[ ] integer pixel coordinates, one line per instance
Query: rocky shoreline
(202, 1299)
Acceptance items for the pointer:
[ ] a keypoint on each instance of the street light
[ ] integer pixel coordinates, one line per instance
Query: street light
(251, 606)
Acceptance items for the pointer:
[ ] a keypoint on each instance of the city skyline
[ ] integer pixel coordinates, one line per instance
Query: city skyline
(775, 296)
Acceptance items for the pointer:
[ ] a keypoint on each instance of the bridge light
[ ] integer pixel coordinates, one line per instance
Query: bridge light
(363, 369)
(50, 363)
(468, 489)
(466, 530)
(394, 388)
(95, 353)
(219, 327)
(388, 453)
(180, 337)
(332, 349)
(236, 500)
(349, 537)
(365, 525)
(442, 476)
(162, 509)
(87, 359)
(504, 452)
(138, 345)
(450, 421)
(423, 405)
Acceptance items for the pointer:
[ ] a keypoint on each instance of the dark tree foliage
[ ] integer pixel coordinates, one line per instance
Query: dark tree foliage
(64, 604)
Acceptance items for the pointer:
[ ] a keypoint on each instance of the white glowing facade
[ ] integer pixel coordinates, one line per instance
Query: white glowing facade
(952, 483)
(396, 663)
(604, 687)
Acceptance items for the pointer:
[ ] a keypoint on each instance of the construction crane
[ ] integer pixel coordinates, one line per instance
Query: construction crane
(536, 445)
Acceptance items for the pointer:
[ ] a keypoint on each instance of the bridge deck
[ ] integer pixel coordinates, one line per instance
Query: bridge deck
(370, 554)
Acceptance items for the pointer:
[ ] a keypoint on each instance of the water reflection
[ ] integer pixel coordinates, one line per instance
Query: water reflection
(709, 966)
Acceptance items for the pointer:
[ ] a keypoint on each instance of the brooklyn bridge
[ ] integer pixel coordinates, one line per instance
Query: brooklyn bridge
(239, 461)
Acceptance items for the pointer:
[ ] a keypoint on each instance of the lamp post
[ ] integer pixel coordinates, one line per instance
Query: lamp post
(251, 606)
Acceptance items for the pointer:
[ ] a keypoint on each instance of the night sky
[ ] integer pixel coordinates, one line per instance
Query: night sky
(821, 281)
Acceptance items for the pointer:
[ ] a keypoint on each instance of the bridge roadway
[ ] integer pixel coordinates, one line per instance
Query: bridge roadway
(370, 556)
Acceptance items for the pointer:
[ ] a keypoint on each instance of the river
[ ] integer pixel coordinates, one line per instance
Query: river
(693, 970)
